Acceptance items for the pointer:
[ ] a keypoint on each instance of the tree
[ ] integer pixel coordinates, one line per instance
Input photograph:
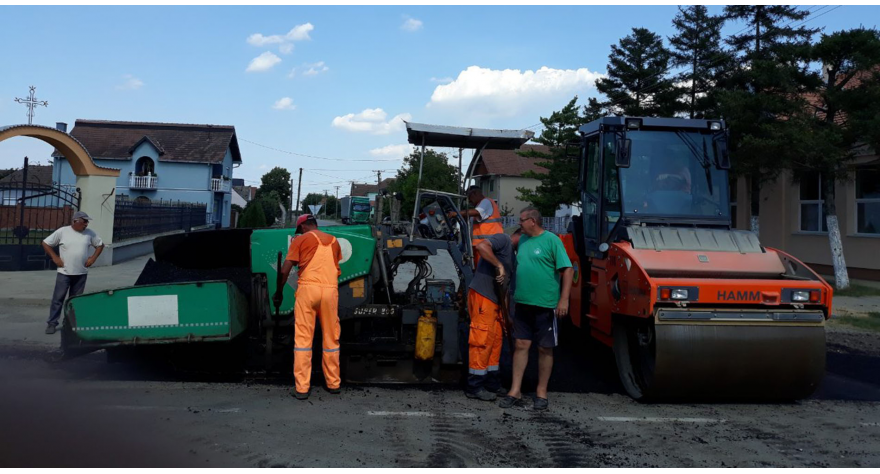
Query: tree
(763, 90)
(437, 174)
(559, 183)
(253, 216)
(842, 112)
(278, 180)
(697, 45)
(270, 203)
(637, 82)
(328, 203)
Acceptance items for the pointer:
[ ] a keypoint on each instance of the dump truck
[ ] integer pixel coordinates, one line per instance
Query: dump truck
(209, 292)
(355, 210)
(692, 307)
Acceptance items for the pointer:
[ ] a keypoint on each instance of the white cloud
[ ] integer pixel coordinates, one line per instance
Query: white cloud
(510, 92)
(263, 62)
(298, 33)
(411, 24)
(371, 121)
(257, 39)
(284, 103)
(130, 83)
(392, 151)
(315, 69)
(442, 80)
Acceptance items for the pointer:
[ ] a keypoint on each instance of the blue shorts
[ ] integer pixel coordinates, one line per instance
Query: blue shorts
(536, 324)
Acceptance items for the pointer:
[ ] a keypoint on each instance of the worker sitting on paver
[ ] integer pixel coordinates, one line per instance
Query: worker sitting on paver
(485, 217)
(484, 305)
(73, 264)
(317, 256)
(540, 257)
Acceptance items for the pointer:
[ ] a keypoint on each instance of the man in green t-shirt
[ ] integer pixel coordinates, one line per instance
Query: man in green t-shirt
(541, 297)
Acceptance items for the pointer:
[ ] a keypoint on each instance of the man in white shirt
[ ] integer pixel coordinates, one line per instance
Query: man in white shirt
(73, 264)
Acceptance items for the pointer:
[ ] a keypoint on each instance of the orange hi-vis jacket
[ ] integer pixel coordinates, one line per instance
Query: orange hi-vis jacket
(491, 226)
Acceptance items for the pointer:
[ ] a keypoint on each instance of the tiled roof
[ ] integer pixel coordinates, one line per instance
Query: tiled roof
(509, 162)
(37, 174)
(362, 189)
(188, 143)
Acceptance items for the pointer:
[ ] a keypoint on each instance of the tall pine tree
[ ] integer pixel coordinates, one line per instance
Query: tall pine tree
(637, 82)
(559, 183)
(697, 46)
(763, 91)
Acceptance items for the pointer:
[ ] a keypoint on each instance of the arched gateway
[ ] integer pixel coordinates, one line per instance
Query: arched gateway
(97, 184)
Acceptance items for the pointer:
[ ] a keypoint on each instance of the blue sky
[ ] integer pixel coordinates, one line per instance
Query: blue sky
(324, 81)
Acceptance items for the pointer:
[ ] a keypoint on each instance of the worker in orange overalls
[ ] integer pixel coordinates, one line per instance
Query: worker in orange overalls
(317, 256)
(485, 218)
(484, 306)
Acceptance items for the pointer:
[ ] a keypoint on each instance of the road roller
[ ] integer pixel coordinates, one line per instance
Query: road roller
(692, 307)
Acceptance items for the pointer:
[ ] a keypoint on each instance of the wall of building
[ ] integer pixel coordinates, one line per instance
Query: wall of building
(507, 194)
(780, 227)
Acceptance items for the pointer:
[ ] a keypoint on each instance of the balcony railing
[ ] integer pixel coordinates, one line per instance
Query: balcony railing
(221, 185)
(143, 182)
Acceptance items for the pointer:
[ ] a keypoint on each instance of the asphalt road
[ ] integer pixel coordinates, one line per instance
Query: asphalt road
(86, 412)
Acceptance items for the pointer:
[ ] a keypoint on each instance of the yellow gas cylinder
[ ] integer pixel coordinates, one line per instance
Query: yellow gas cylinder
(426, 335)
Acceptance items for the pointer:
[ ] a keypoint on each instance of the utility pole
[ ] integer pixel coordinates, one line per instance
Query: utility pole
(325, 204)
(460, 176)
(298, 189)
(290, 206)
(378, 196)
(336, 212)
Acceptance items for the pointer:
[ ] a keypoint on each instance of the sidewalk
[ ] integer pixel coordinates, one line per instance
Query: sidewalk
(35, 288)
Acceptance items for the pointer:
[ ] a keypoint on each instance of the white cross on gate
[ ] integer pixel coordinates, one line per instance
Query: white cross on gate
(30, 103)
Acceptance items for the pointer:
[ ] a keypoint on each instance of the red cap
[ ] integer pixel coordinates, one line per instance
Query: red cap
(303, 218)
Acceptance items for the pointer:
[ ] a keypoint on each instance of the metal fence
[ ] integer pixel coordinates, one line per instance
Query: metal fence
(140, 219)
(557, 225)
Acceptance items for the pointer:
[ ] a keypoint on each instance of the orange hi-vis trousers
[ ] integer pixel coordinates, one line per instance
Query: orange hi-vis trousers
(316, 302)
(486, 337)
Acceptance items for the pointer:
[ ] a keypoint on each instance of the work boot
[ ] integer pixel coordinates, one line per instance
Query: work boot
(482, 394)
(301, 396)
(334, 391)
(50, 329)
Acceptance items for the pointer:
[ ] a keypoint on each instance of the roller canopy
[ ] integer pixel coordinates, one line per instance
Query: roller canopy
(465, 137)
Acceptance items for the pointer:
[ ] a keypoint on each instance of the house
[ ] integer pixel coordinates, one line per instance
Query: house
(10, 184)
(162, 161)
(500, 172)
(248, 193)
(370, 190)
(791, 217)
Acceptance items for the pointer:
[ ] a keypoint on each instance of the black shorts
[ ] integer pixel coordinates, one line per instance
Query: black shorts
(536, 324)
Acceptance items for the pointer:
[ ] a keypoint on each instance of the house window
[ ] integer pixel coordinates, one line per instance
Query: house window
(491, 184)
(868, 200)
(812, 218)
